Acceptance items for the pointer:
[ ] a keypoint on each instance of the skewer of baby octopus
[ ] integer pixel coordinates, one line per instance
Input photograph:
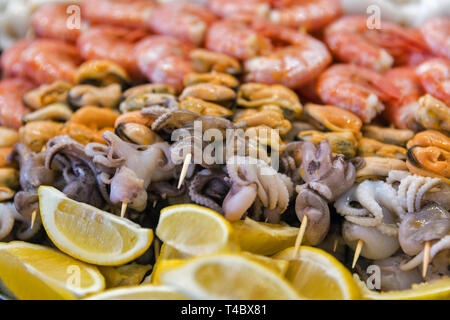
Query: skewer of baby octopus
(187, 161)
(357, 252)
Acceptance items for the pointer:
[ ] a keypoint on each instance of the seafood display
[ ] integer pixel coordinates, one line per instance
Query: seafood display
(281, 137)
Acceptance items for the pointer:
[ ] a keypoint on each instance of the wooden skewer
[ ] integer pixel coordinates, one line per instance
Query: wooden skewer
(33, 218)
(301, 233)
(357, 252)
(335, 244)
(155, 203)
(426, 258)
(186, 163)
(124, 209)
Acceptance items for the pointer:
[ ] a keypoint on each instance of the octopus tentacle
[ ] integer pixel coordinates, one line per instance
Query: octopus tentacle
(344, 207)
(199, 182)
(254, 179)
(424, 189)
(6, 220)
(443, 244)
(373, 196)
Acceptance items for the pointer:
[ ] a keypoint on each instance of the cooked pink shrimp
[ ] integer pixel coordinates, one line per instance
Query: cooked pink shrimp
(46, 61)
(357, 89)
(50, 21)
(236, 38)
(239, 8)
(401, 111)
(352, 41)
(186, 21)
(125, 13)
(11, 59)
(164, 59)
(12, 108)
(434, 75)
(309, 15)
(112, 43)
(302, 60)
(436, 33)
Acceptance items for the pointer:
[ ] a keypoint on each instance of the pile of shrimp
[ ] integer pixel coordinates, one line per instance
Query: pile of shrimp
(357, 113)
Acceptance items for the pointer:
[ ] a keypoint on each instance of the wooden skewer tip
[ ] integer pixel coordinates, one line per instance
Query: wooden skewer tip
(186, 163)
(33, 218)
(357, 252)
(301, 233)
(335, 244)
(124, 209)
(426, 258)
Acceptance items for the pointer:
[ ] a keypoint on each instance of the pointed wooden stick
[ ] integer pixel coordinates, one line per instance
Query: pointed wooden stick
(335, 244)
(33, 218)
(301, 233)
(155, 202)
(124, 209)
(187, 162)
(426, 258)
(357, 252)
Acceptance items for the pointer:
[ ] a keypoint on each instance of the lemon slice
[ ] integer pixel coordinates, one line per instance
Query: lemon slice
(36, 272)
(264, 238)
(144, 292)
(227, 276)
(437, 290)
(195, 230)
(90, 234)
(318, 275)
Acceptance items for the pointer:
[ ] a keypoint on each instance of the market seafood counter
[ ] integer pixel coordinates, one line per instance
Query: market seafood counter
(225, 124)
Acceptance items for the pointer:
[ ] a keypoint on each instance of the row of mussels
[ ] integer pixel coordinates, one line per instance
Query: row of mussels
(105, 143)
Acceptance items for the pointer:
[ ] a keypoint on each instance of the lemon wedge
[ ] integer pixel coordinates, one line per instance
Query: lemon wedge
(264, 238)
(227, 276)
(163, 266)
(436, 290)
(143, 292)
(90, 234)
(168, 252)
(195, 230)
(277, 265)
(127, 275)
(32, 271)
(318, 275)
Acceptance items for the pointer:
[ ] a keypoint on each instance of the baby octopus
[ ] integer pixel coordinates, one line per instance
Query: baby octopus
(137, 167)
(326, 178)
(253, 179)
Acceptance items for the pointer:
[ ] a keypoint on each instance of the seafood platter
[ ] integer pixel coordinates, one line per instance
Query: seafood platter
(225, 149)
